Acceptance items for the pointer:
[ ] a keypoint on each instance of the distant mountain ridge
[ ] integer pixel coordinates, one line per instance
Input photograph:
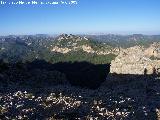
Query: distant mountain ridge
(54, 49)
(67, 43)
(68, 47)
(126, 41)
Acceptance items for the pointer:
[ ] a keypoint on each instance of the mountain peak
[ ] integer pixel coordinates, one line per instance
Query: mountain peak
(71, 37)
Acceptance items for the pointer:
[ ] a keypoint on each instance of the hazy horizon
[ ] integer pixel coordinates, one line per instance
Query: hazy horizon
(56, 34)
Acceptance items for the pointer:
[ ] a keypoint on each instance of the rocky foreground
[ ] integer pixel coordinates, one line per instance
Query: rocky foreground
(124, 99)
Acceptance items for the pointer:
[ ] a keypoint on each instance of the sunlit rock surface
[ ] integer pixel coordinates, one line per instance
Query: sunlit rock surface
(134, 61)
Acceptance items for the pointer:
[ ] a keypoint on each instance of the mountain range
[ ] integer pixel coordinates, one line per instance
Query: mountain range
(92, 48)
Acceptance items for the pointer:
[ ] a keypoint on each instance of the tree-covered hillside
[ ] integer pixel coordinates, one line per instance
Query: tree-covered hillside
(92, 48)
(29, 48)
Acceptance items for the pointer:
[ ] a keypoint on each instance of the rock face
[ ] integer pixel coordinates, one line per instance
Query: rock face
(134, 61)
(153, 50)
(61, 50)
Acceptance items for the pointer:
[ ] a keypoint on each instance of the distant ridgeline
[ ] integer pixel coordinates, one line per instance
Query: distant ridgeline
(126, 41)
(98, 49)
(55, 49)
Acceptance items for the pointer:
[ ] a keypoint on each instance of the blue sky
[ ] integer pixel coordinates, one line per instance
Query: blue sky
(88, 16)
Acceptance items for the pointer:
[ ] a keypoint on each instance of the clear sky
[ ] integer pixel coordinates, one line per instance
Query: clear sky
(88, 16)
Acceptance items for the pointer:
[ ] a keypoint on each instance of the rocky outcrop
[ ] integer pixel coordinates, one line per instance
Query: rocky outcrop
(153, 50)
(67, 43)
(61, 50)
(134, 61)
(70, 37)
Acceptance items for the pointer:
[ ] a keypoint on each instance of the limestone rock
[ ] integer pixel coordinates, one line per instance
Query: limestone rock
(153, 50)
(134, 61)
